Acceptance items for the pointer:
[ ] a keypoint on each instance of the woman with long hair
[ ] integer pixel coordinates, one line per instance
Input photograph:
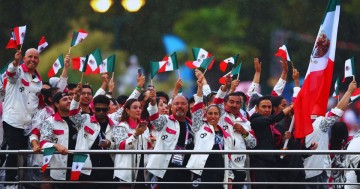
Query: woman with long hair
(132, 133)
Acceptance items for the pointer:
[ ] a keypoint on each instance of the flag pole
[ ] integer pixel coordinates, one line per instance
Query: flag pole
(69, 50)
(204, 71)
(112, 76)
(82, 75)
(290, 130)
(292, 64)
(179, 73)
(21, 47)
(237, 78)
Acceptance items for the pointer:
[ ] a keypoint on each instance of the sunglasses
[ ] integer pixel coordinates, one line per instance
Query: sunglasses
(101, 109)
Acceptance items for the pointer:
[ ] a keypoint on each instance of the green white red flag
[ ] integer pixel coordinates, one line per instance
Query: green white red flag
(313, 96)
(169, 63)
(349, 70)
(200, 55)
(20, 32)
(336, 88)
(235, 71)
(355, 95)
(79, 63)
(78, 36)
(12, 42)
(48, 153)
(94, 61)
(42, 44)
(77, 165)
(232, 60)
(108, 64)
(283, 53)
(58, 64)
(207, 63)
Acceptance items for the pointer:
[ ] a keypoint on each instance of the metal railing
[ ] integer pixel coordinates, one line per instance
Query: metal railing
(22, 153)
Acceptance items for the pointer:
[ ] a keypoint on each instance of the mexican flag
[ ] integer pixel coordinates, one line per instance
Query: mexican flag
(12, 42)
(48, 153)
(77, 165)
(169, 63)
(108, 64)
(313, 96)
(94, 61)
(355, 95)
(79, 63)
(349, 68)
(59, 63)
(207, 63)
(199, 55)
(232, 60)
(283, 53)
(336, 88)
(78, 36)
(233, 72)
(20, 34)
(42, 44)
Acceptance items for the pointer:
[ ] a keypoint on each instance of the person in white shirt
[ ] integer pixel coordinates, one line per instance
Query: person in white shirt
(21, 101)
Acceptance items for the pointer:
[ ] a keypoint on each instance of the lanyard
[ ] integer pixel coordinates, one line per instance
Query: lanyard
(187, 133)
(219, 141)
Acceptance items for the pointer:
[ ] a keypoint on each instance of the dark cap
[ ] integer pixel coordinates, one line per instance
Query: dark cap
(58, 96)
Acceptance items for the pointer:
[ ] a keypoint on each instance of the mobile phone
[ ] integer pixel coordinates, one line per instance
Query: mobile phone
(140, 71)
(150, 87)
(103, 141)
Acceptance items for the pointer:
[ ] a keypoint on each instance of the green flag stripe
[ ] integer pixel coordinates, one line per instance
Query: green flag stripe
(49, 151)
(79, 157)
(111, 63)
(73, 40)
(174, 61)
(331, 6)
(154, 67)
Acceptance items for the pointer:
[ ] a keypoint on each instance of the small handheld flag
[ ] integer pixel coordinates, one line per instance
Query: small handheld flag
(59, 63)
(48, 153)
(77, 165)
(42, 44)
(283, 53)
(232, 60)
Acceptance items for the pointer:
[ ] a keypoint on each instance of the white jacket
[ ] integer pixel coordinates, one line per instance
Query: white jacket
(227, 121)
(55, 131)
(205, 139)
(353, 161)
(88, 131)
(125, 140)
(169, 129)
(21, 96)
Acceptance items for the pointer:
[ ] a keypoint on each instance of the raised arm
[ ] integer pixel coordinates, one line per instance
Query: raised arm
(197, 110)
(64, 75)
(178, 86)
(102, 89)
(220, 95)
(297, 88)
(280, 85)
(159, 121)
(206, 87)
(13, 71)
(74, 113)
(254, 87)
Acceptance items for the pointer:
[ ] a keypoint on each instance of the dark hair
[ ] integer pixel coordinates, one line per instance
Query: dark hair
(339, 135)
(89, 87)
(188, 113)
(101, 99)
(142, 95)
(213, 105)
(261, 99)
(162, 94)
(253, 99)
(122, 99)
(127, 105)
(209, 98)
(245, 99)
(71, 86)
(46, 83)
(231, 94)
(113, 101)
(276, 100)
(48, 94)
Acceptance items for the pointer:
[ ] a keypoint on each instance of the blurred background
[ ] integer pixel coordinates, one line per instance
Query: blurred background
(140, 31)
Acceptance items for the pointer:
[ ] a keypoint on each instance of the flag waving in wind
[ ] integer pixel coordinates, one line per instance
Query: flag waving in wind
(169, 63)
(42, 44)
(59, 63)
(336, 88)
(283, 53)
(12, 42)
(232, 60)
(77, 165)
(313, 96)
(108, 64)
(78, 37)
(235, 71)
(20, 34)
(94, 61)
(199, 55)
(349, 68)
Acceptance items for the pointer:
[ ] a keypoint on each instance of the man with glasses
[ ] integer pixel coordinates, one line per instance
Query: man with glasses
(85, 100)
(94, 134)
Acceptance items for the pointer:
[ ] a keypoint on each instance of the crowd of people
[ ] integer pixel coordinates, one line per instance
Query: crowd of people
(67, 116)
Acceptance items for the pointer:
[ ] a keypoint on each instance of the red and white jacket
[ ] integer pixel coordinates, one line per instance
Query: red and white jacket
(227, 121)
(88, 131)
(55, 131)
(38, 119)
(125, 140)
(21, 96)
(205, 139)
(169, 130)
